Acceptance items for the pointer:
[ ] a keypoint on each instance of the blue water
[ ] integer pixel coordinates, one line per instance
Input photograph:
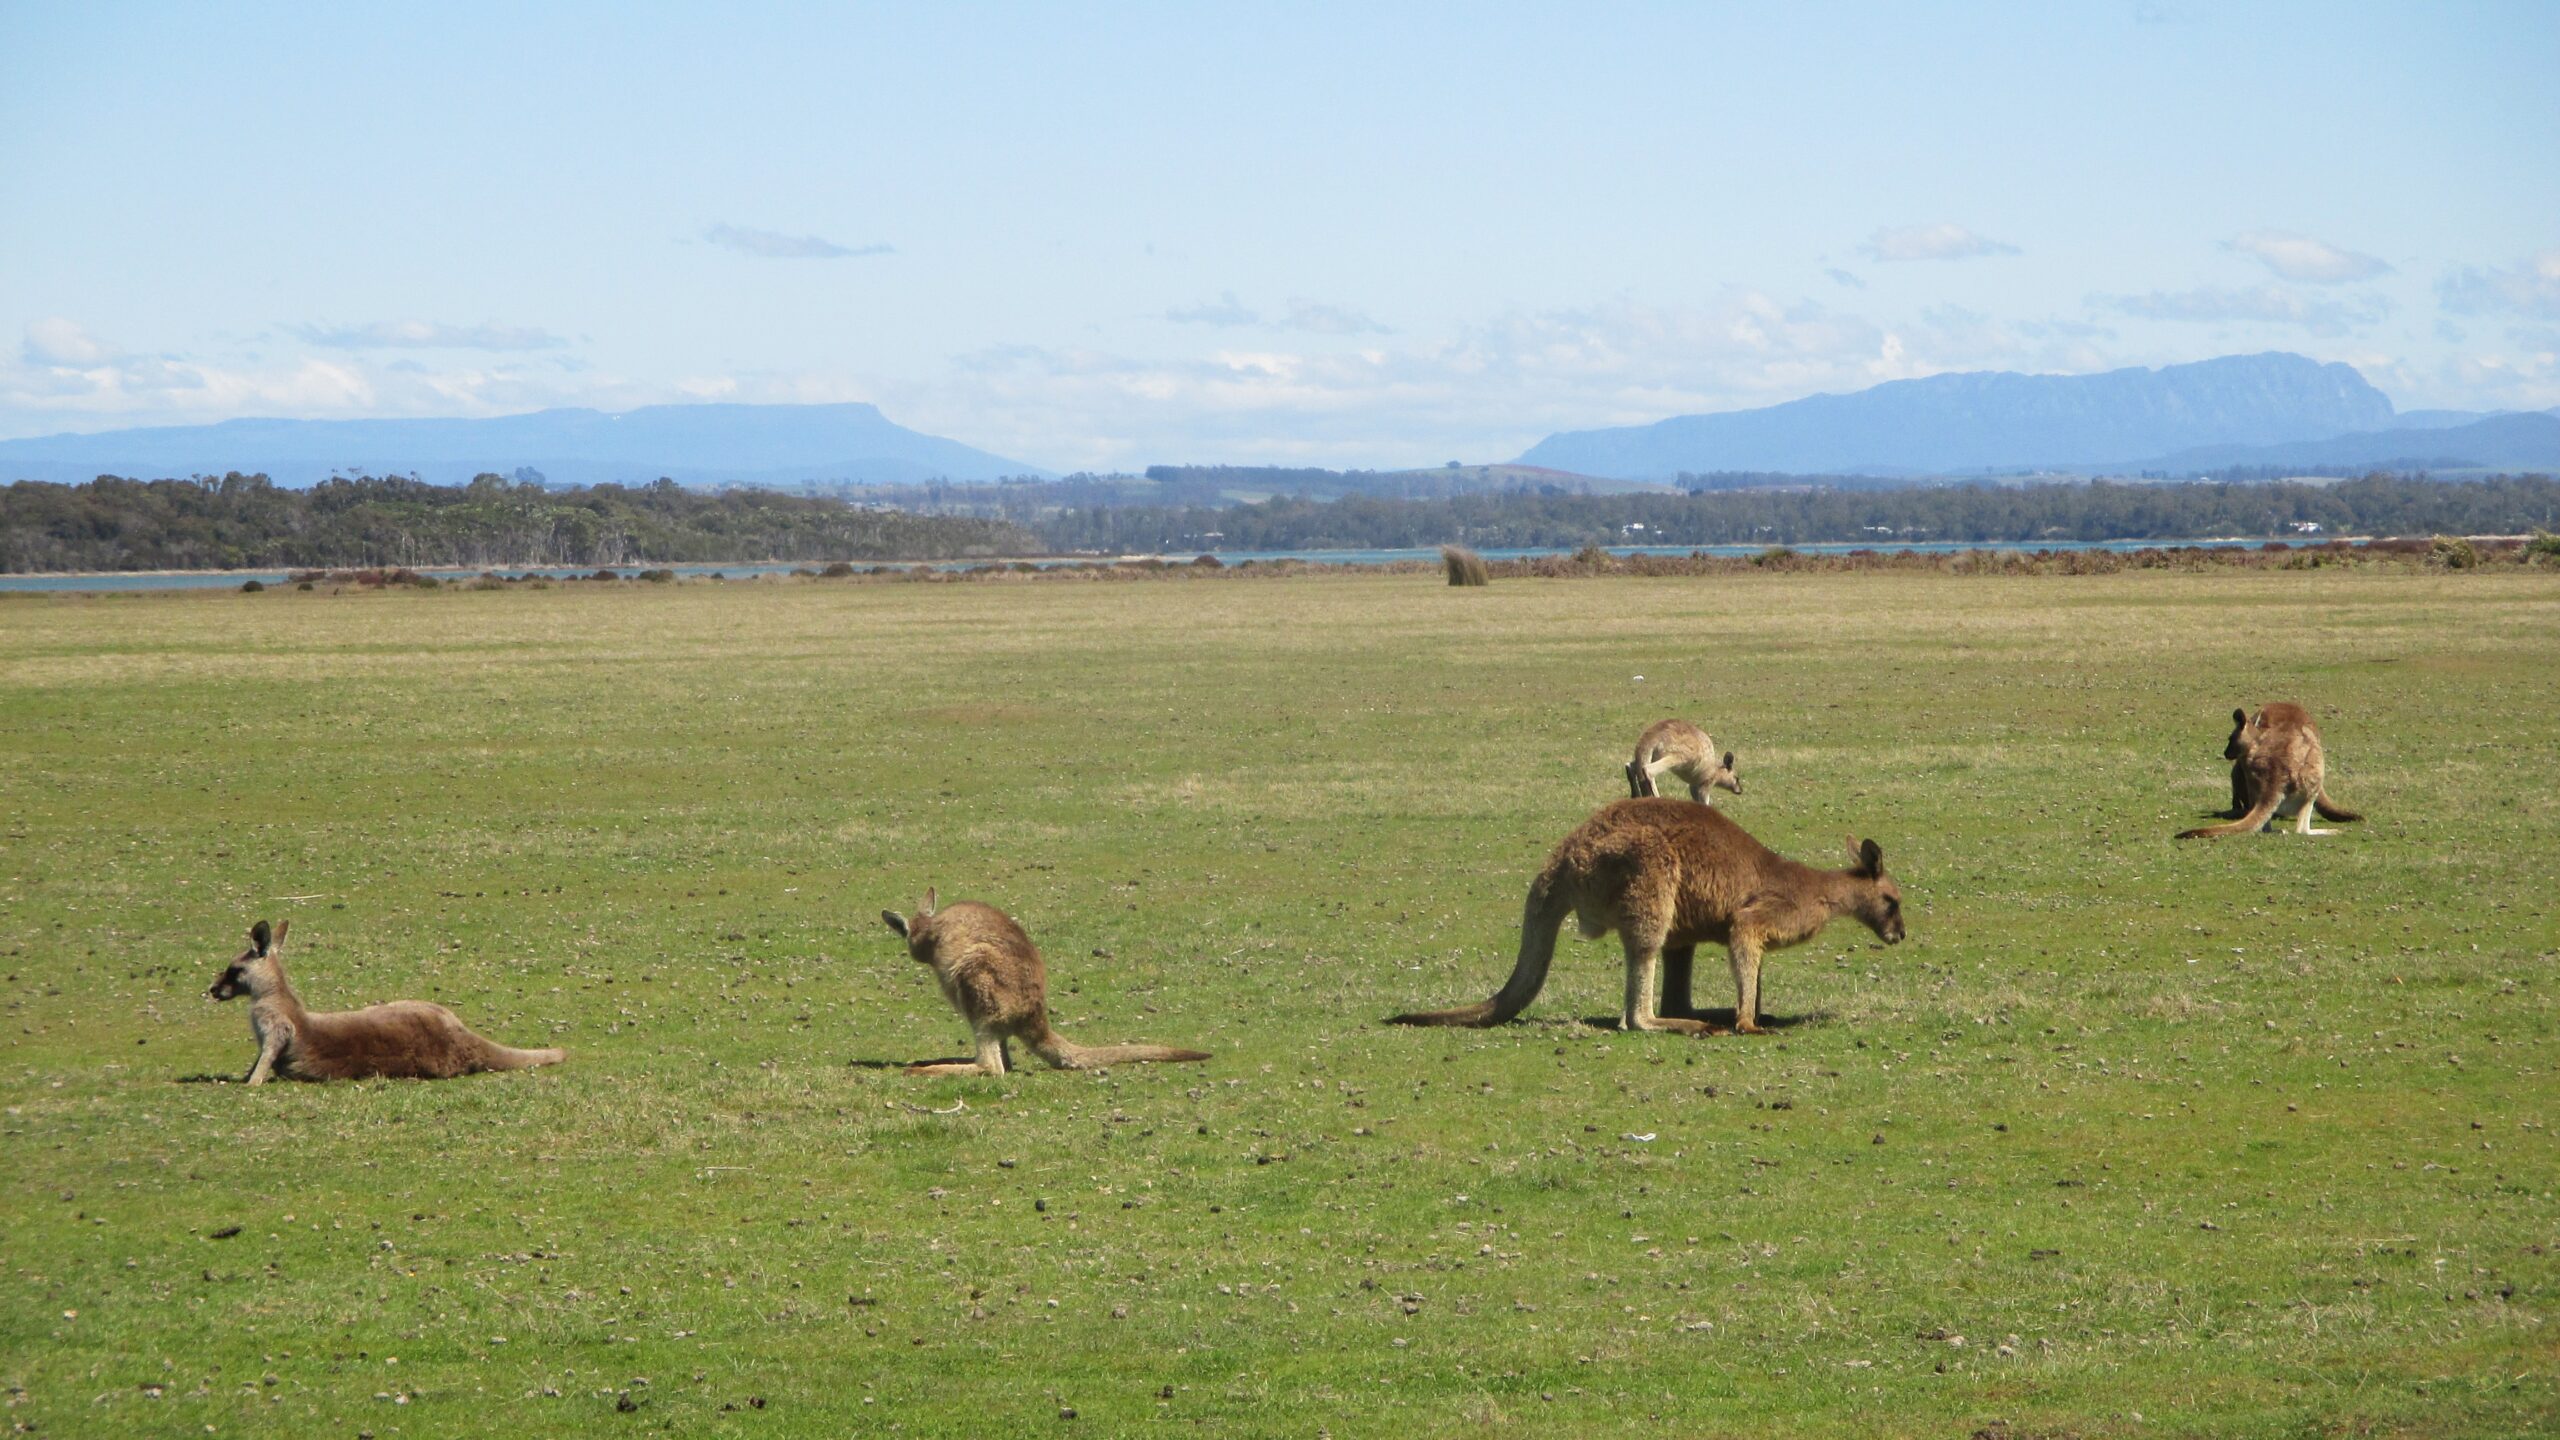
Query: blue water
(232, 579)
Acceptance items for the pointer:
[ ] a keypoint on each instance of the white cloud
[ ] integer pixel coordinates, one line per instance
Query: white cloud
(1845, 280)
(2300, 257)
(1485, 391)
(2531, 288)
(2254, 304)
(1932, 242)
(1317, 318)
(425, 335)
(56, 341)
(1225, 311)
(774, 245)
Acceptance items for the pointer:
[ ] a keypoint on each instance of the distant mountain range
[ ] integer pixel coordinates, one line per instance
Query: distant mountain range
(783, 445)
(2238, 410)
(1951, 424)
(2241, 410)
(2526, 440)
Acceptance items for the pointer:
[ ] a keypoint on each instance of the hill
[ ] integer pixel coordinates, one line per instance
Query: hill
(694, 444)
(1948, 424)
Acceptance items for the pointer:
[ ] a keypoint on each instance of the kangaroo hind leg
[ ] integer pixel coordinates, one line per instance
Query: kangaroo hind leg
(1643, 1009)
(990, 1060)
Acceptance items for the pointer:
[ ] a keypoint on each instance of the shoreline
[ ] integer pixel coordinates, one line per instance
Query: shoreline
(1185, 557)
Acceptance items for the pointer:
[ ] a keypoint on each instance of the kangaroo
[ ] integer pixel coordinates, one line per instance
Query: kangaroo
(991, 973)
(1679, 748)
(405, 1039)
(2277, 772)
(1667, 876)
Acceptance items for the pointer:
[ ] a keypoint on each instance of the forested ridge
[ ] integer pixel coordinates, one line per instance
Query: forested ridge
(244, 521)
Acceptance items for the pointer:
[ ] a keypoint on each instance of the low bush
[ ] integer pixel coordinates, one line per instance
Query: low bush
(2452, 552)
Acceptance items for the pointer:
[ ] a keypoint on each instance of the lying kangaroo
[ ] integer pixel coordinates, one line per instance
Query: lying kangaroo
(1666, 876)
(1679, 748)
(2277, 772)
(405, 1039)
(991, 973)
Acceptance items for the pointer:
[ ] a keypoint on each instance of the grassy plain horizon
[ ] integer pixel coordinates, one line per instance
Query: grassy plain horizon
(2130, 1138)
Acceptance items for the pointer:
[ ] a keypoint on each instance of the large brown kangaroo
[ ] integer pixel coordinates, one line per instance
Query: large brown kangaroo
(2278, 771)
(405, 1039)
(991, 973)
(1667, 875)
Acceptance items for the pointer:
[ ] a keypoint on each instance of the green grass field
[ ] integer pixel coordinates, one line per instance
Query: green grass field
(2130, 1138)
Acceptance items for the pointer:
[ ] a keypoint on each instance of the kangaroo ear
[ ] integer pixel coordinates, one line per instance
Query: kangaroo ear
(1728, 761)
(260, 937)
(1857, 856)
(2239, 717)
(896, 921)
(283, 928)
(1871, 860)
(930, 902)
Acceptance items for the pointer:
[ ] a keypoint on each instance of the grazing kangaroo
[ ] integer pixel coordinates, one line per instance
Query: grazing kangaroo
(2277, 772)
(405, 1039)
(991, 973)
(1667, 876)
(1679, 748)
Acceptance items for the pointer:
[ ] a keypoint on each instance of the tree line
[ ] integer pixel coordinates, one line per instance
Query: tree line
(246, 521)
(1969, 513)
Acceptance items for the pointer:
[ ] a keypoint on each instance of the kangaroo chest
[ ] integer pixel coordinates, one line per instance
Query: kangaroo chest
(272, 1026)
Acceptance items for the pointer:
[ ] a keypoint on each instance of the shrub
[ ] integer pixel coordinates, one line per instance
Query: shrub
(2543, 546)
(1592, 556)
(302, 585)
(489, 582)
(1465, 566)
(658, 577)
(1208, 562)
(2452, 552)
(252, 587)
(606, 575)
(837, 571)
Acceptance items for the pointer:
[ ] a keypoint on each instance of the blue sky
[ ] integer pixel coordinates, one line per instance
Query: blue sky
(1106, 236)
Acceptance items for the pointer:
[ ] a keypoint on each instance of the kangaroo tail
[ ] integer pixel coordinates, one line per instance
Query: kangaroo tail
(2264, 806)
(507, 1057)
(1540, 919)
(2329, 811)
(1066, 1054)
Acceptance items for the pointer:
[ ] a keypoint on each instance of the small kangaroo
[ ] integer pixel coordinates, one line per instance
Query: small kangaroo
(405, 1039)
(2278, 772)
(1679, 748)
(991, 973)
(1666, 876)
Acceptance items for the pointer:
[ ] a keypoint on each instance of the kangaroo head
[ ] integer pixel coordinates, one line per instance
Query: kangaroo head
(916, 929)
(1879, 901)
(1726, 776)
(2237, 747)
(255, 970)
